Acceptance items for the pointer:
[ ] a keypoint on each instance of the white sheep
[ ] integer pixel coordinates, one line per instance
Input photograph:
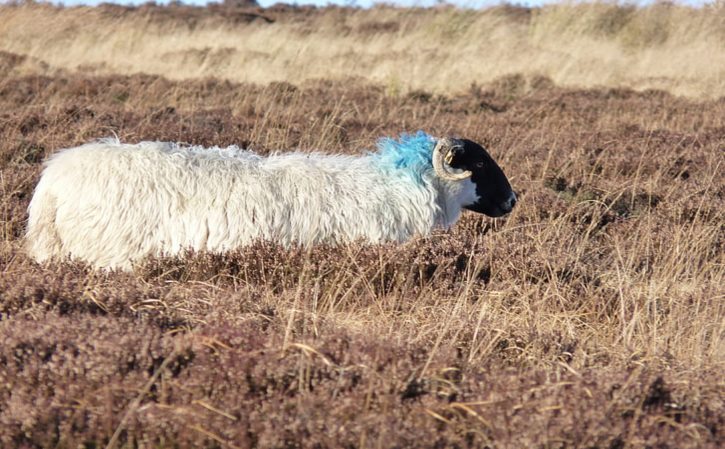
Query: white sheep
(112, 204)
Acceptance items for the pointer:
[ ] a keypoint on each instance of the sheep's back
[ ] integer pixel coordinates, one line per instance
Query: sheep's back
(116, 203)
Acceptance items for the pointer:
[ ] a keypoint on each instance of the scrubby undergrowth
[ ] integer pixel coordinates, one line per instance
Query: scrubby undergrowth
(590, 317)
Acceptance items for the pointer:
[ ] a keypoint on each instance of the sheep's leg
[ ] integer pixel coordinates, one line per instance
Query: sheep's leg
(42, 239)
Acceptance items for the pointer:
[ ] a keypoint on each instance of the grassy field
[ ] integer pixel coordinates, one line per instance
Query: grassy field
(593, 316)
(444, 50)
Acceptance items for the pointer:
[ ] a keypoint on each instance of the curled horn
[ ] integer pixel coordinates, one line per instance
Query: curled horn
(442, 157)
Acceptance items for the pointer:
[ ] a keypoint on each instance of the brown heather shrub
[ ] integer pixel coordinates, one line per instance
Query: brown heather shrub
(69, 380)
(591, 317)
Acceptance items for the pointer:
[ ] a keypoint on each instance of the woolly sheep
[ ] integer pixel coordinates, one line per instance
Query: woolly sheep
(111, 204)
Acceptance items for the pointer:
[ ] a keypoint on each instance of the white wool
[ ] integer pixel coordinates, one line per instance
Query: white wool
(112, 204)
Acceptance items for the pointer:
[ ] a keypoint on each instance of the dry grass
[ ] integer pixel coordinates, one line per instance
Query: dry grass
(675, 48)
(591, 317)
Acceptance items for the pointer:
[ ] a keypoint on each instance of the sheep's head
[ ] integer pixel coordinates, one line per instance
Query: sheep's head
(463, 159)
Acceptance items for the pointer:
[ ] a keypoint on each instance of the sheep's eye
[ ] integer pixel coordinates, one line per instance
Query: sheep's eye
(481, 164)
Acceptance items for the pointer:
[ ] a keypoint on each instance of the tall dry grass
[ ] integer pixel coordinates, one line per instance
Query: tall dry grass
(592, 316)
(663, 46)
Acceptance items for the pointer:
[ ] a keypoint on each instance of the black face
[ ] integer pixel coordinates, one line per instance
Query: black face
(496, 198)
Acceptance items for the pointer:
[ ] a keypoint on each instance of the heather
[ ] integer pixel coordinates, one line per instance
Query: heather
(590, 317)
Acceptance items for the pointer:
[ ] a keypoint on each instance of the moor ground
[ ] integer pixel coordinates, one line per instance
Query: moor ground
(591, 317)
(664, 46)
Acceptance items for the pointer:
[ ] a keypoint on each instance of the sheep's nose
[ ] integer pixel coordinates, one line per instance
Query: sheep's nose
(509, 204)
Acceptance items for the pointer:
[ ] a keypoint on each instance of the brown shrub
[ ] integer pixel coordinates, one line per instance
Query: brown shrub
(589, 317)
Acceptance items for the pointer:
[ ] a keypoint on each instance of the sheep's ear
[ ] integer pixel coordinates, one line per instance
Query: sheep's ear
(443, 158)
(455, 155)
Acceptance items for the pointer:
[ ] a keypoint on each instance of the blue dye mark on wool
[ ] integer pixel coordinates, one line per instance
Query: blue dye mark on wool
(410, 152)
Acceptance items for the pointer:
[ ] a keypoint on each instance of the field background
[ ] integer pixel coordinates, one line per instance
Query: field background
(593, 316)
(443, 50)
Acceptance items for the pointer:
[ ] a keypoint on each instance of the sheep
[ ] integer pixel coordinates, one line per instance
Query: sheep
(112, 204)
